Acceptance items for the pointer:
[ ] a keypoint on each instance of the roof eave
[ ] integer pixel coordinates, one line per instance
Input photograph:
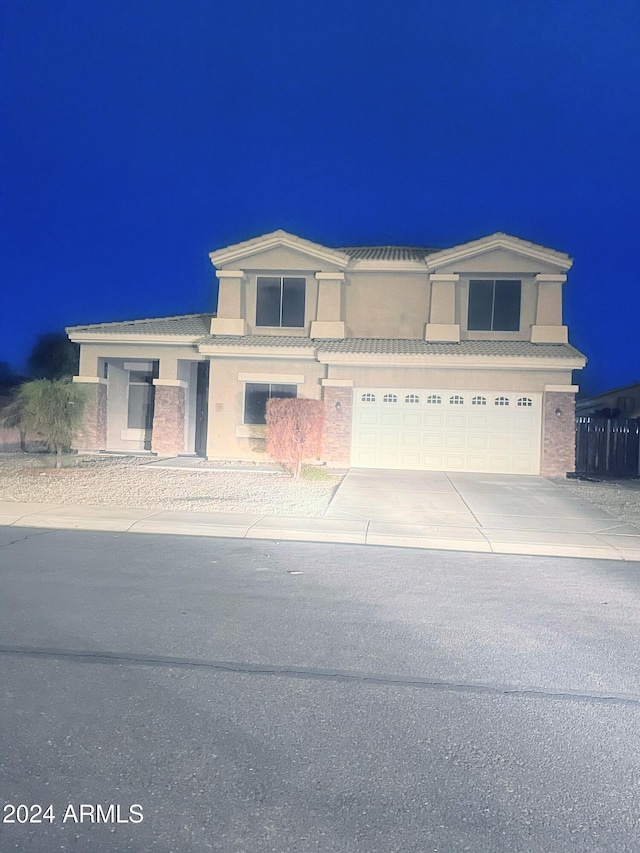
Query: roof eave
(276, 239)
(499, 241)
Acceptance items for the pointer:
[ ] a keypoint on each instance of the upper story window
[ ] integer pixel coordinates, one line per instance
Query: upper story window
(280, 301)
(494, 305)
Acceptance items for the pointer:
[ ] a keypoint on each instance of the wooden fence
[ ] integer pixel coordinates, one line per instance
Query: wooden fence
(607, 446)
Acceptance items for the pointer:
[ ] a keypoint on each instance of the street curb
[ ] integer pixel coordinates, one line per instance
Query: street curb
(296, 529)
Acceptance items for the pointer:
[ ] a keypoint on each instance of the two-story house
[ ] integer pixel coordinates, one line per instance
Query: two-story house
(453, 360)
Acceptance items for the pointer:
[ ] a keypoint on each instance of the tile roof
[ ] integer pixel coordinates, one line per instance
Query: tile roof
(271, 341)
(387, 253)
(507, 349)
(187, 325)
(399, 346)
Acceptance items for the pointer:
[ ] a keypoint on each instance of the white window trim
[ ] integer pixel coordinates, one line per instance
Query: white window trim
(273, 378)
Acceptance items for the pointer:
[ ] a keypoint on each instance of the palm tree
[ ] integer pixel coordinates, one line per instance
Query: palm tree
(51, 408)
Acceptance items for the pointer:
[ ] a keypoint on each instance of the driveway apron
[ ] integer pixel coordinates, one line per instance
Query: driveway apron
(507, 513)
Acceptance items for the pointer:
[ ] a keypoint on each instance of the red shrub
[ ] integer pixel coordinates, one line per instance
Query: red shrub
(294, 431)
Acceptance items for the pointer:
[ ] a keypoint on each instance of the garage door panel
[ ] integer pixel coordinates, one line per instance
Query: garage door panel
(478, 421)
(454, 440)
(389, 419)
(455, 421)
(411, 439)
(411, 420)
(367, 418)
(478, 442)
(433, 439)
(433, 430)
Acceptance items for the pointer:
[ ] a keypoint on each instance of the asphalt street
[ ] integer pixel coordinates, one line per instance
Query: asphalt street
(233, 695)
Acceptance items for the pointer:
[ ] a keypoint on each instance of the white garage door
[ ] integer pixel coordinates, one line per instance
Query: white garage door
(439, 430)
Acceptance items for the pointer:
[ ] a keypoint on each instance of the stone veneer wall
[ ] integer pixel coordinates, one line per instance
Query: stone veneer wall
(558, 434)
(92, 435)
(167, 437)
(337, 425)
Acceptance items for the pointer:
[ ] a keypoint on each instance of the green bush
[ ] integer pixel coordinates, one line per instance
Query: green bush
(52, 409)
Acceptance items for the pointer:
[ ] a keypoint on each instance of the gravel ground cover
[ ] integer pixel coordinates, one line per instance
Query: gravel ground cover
(620, 498)
(128, 481)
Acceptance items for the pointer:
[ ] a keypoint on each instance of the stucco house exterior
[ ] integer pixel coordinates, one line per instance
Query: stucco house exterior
(453, 359)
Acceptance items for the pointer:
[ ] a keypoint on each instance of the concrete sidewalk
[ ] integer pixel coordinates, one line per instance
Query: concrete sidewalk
(502, 514)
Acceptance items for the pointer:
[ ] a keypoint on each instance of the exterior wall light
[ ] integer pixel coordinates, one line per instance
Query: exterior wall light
(338, 406)
(558, 412)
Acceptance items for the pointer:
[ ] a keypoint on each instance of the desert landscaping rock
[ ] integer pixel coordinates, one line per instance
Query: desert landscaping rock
(130, 482)
(620, 498)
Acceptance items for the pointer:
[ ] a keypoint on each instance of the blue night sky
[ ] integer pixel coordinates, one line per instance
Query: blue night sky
(138, 135)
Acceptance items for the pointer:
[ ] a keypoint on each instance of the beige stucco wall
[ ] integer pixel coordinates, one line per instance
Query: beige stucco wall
(226, 399)
(168, 356)
(393, 304)
(455, 378)
(386, 305)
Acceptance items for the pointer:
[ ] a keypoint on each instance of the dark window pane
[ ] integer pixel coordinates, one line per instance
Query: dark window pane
(139, 376)
(506, 306)
(268, 302)
(284, 391)
(480, 305)
(293, 301)
(140, 413)
(255, 402)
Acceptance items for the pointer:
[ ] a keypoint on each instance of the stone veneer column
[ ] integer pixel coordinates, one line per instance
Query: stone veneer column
(92, 434)
(338, 414)
(167, 436)
(559, 432)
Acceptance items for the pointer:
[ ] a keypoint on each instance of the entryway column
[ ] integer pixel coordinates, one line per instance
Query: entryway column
(92, 435)
(167, 437)
(559, 430)
(338, 415)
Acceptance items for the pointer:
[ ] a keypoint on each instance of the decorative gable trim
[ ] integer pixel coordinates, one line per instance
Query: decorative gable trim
(278, 239)
(499, 241)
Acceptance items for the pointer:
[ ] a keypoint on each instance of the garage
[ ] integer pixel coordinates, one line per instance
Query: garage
(447, 430)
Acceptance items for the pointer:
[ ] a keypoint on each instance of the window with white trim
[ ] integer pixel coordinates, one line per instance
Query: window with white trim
(525, 401)
(434, 399)
(412, 398)
(479, 401)
(501, 401)
(256, 395)
(368, 398)
(456, 400)
(390, 398)
(280, 301)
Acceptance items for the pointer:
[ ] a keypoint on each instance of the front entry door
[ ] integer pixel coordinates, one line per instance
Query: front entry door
(202, 407)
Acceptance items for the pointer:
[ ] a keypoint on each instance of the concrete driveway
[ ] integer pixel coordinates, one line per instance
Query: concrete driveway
(505, 513)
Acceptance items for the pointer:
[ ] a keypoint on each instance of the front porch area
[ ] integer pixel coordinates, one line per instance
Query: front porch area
(137, 405)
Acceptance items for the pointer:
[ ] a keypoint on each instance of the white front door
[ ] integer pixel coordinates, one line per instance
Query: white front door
(445, 430)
